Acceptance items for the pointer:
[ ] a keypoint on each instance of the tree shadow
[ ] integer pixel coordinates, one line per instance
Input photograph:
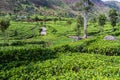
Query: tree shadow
(93, 33)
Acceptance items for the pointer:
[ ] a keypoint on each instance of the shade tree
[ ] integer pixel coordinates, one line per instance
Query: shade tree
(85, 7)
(101, 21)
(4, 25)
(113, 18)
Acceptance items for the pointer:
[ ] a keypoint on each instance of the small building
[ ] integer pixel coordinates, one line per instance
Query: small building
(43, 31)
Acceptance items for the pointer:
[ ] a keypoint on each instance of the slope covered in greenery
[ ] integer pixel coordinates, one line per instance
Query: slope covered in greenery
(28, 55)
(61, 53)
(30, 6)
(65, 66)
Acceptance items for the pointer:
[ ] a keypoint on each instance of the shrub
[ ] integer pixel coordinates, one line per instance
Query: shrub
(4, 24)
(4, 44)
(26, 54)
(17, 43)
(103, 47)
(69, 22)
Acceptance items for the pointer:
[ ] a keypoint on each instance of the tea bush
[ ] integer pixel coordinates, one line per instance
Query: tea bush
(97, 46)
(103, 47)
(67, 66)
(39, 53)
(26, 54)
(17, 43)
(29, 56)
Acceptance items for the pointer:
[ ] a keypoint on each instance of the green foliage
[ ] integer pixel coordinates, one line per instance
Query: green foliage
(33, 58)
(4, 44)
(66, 66)
(39, 53)
(55, 20)
(55, 56)
(15, 33)
(36, 18)
(79, 21)
(102, 47)
(28, 54)
(79, 24)
(92, 46)
(17, 43)
(84, 5)
(93, 20)
(69, 22)
(4, 24)
(113, 17)
(101, 21)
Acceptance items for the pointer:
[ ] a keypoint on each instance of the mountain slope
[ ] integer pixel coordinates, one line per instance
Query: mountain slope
(51, 6)
(113, 4)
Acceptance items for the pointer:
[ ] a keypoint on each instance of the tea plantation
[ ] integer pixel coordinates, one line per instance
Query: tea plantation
(25, 55)
(65, 66)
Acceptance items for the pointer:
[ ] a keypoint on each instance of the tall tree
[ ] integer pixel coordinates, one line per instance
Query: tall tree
(113, 17)
(101, 21)
(85, 6)
(4, 24)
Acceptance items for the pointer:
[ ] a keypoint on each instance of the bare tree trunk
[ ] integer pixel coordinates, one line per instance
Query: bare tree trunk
(85, 24)
(85, 13)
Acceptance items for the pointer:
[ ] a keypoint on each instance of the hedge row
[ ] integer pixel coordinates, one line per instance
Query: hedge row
(21, 43)
(26, 55)
(92, 46)
(88, 46)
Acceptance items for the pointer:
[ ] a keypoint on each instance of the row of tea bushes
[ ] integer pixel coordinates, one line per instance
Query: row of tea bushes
(97, 46)
(26, 54)
(40, 53)
(75, 66)
(22, 43)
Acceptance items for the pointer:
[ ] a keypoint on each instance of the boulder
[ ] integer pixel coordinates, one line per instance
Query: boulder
(110, 38)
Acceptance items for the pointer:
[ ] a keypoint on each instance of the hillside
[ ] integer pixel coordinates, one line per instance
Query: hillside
(113, 4)
(59, 54)
(42, 40)
(51, 6)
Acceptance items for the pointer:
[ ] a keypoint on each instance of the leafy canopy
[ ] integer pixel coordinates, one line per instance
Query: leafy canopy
(113, 17)
(84, 5)
(101, 20)
(4, 24)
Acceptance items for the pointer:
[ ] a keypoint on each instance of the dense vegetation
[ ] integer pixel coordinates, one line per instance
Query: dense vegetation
(28, 55)
(65, 66)
(62, 53)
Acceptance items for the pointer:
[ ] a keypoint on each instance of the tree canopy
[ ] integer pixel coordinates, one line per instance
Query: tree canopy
(113, 17)
(4, 24)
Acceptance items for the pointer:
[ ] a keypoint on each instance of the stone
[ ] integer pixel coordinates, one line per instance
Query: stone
(75, 38)
(110, 38)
